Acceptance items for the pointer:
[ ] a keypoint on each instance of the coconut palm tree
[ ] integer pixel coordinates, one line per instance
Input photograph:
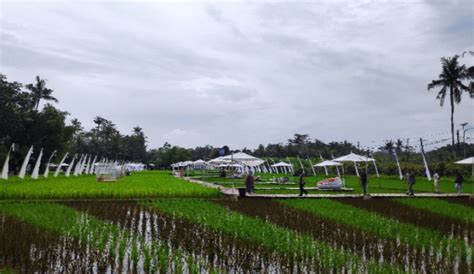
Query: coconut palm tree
(450, 82)
(40, 92)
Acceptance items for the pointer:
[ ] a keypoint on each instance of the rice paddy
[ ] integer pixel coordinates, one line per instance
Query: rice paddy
(194, 230)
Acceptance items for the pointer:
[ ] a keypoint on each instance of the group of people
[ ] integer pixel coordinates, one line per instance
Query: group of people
(364, 180)
(411, 181)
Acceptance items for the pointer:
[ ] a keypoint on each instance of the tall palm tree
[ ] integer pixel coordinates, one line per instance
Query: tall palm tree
(450, 82)
(40, 92)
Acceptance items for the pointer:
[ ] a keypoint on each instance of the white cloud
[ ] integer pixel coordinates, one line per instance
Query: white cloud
(243, 73)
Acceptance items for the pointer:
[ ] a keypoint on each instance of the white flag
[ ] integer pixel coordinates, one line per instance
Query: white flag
(56, 173)
(34, 174)
(5, 168)
(22, 173)
(78, 165)
(91, 171)
(325, 168)
(46, 170)
(71, 164)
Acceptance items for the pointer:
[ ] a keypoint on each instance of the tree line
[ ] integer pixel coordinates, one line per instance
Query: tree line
(24, 123)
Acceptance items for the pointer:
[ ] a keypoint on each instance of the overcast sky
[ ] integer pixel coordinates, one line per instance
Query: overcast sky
(244, 73)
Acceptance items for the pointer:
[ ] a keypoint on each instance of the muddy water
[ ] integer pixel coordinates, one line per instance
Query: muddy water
(450, 227)
(341, 236)
(462, 201)
(25, 248)
(224, 252)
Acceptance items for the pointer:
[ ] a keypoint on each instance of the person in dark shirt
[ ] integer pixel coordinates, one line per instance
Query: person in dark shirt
(411, 181)
(302, 183)
(458, 183)
(364, 181)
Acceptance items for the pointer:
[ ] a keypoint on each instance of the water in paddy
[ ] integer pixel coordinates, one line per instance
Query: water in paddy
(367, 244)
(26, 248)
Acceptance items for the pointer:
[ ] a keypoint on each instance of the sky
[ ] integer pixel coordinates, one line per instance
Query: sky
(244, 73)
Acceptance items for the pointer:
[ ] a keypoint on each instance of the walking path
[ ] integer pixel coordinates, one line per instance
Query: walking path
(235, 193)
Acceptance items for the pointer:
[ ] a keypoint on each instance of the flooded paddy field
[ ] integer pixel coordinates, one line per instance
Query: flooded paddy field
(248, 235)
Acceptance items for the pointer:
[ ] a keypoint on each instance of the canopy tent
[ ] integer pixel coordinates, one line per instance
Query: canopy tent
(355, 158)
(242, 158)
(467, 161)
(327, 163)
(352, 157)
(283, 166)
(330, 163)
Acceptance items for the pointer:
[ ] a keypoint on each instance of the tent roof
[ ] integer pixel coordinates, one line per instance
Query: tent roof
(328, 163)
(239, 156)
(200, 161)
(281, 164)
(467, 161)
(352, 157)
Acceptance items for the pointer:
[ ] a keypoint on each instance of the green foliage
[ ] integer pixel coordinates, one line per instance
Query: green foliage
(92, 233)
(148, 184)
(379, 225)
(441, 207)
(264, 233)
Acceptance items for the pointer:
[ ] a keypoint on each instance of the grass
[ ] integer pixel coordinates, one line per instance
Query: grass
(108, 239)
(441, 207)
(381, 226)
(147, 184)
(273, 237)
(384, 184)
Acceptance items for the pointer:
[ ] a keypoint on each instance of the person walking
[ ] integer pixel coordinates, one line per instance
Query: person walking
(410, 181)
(364, 181)
(249, 182)
(458, 183)
(302, 183)
(436, 179)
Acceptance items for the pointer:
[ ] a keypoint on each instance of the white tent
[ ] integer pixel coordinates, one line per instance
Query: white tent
(352, 157)
(328, 163)
(467, 161)
(283, 166)
(239, 156)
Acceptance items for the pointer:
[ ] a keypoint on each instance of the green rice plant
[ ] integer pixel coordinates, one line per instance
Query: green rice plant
(281, 240)
(147, 184)
(92, 233)
(381, 226)
(441, 207)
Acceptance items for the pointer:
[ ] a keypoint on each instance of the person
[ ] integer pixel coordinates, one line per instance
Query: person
(411, 181)
(302, 183)
(436, 179)
(364, 181)
(458, 183)
(249, 183)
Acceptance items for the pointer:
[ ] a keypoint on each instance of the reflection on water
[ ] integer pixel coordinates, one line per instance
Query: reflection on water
(144, 240)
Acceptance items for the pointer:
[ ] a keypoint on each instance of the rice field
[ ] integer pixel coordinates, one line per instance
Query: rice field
(216, 235)
(149, 184)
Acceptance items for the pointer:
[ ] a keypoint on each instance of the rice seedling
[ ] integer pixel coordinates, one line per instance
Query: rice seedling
(266, 234)
(441, 207)
(149, 184)
(93, 233)
(384, 227)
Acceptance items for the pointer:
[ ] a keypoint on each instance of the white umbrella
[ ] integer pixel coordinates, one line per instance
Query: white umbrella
(467, 161)
(281, 164)
(352, 157)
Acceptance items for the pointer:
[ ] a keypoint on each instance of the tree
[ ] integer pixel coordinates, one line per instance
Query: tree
(450, 82)
(40, 92)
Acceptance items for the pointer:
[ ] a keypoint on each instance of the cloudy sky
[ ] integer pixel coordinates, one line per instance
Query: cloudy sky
(243, 73)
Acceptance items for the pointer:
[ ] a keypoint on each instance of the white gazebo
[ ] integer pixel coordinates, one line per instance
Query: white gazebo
(355, 158)
(283, 166)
